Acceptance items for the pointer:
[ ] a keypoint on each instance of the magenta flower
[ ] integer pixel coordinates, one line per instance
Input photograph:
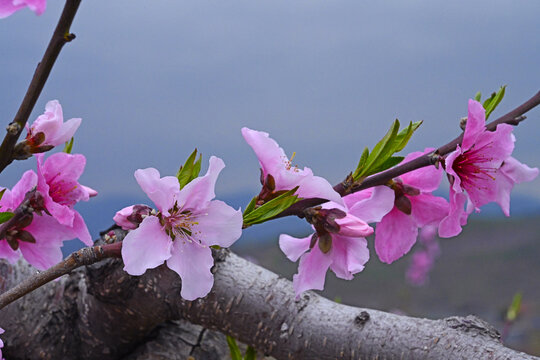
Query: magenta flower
(8, 7)
(477, 170)
(49, 129)
(38, 237)
(181, 233)
(58, 183)
(348, 251)
(278, 174)
(414, 208)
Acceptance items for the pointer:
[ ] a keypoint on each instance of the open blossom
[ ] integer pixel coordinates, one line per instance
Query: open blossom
(49, 129)
(342, 248)
(8, 7)
(58, 183)
(481, 170)
(414, 207)
(37, 237)
(278, 174)
(188, 222)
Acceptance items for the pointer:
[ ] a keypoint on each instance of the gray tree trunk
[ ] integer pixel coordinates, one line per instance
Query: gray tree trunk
(100, 312)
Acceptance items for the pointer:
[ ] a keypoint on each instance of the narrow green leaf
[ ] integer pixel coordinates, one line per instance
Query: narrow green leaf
(233, 348)
(271, 208)
(250, 206)
(494, 100)
(69, 146)
(405, 135)
(185, 172)
(196, 169)
(361, 163)
(513, 310)
(381, 149)
(5, 216)
(387, 164)
(251, 354)
(2, 193)
(478, 96)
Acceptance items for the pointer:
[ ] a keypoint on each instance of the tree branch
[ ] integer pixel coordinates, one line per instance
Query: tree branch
(100, 312)
(60, 37)
(514, 117)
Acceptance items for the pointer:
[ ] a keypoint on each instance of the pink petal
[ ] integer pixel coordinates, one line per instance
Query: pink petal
(120, 218)
(81, 230)
(293, 247)
(193, 263)
(427, 209)
(218, 224)
(476, 124)
(162, 191)
(200, 191)
(146, 247)
(426, 179)
(315, 187)
(6, 252)
(7, 8)
(27, 182)
(451, 225)
(394, 236)
(91, 192)
(311, 271)
(271, 157)
(517, 171)
(64, 132)
(449, 163)
(351, 226)
(351, 199)
(349, 255)
(375, 207)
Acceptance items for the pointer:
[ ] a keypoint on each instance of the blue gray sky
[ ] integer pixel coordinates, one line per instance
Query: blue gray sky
(152, 80)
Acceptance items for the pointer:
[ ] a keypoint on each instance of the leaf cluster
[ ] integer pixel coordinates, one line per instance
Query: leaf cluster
(257, 215)
(491, 103)
(190, 170)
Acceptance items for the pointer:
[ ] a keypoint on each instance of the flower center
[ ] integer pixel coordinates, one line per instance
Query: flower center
(63, 193)
(474, 165)
(180, 224)
(288, 163)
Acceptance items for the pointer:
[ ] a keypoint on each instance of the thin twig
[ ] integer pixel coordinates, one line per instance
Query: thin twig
(514, 117)
(85, 256)
(60, 37)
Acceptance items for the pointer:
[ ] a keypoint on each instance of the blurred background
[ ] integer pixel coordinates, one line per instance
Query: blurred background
(152, 80)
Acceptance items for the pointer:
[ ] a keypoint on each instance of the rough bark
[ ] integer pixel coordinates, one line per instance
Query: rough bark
(100, 312)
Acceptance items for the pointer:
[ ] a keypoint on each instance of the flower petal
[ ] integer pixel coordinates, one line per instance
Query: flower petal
(193, 263)
(427, 178)
(6, 252)
(427, 209)
(394, 236)
(219, 224)
(271, 157)
(81, 230)
(293, 247)
(476, 124)
(27, 182)
(162, 191)
(200, 191)
(146, 247)
(349, 255)
(311, 271)
(375, 207)
(451, 225)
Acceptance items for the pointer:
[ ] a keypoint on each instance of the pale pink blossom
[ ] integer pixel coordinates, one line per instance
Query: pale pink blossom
(58, 183)
(8, 7)
(279, 174)
(481, 170)
(45, 233)
(49, 129)
(188, 222)
(130, 217)
(415, 207)
(348, 251)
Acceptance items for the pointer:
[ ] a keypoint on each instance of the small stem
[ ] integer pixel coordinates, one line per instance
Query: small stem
(514, 117)
(60, 37)
(85, 256)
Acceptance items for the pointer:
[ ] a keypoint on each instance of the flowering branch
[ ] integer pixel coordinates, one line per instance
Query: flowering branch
(85, 256)
(513, 117)
(60, 37)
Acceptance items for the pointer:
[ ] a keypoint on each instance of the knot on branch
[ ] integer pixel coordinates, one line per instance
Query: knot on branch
(474, 325)
(362, 318)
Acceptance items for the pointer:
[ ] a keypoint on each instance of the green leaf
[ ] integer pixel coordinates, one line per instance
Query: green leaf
(478, 96)
(362, 162)
(69, 146)
(381, 149)
(404, 135)
(251, 354)
(390, 162)
(2, 193)
(514, 308)
(5, 216)
(190, 170)
(271, 208)
(250, 206)
(233, 348)
(494, 100)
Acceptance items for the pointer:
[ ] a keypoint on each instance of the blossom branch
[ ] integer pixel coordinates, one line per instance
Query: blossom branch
(60, 37)
(85, 256)
(513, 117)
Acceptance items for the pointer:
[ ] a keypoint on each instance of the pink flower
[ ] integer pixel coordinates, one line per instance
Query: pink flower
(8, 7)
(130, 217)
(187, 224)
(415, 207)
(481, 170)
(38, 237)
(49, 129)
(278, 174)
(348, 252)
(58, 183)
(423, 259)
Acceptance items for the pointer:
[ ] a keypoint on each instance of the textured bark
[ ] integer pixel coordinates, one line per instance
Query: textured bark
(100, 312)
